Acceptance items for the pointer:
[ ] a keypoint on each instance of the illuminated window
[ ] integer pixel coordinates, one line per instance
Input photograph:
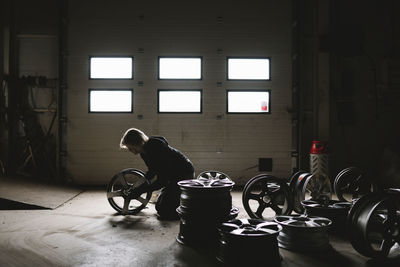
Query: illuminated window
(248, 68)
(248, 101)
(179, 101)
(188, 68)
(111, 68)
(104, 100)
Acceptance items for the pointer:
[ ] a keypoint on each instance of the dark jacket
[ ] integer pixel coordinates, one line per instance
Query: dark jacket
(168, 163)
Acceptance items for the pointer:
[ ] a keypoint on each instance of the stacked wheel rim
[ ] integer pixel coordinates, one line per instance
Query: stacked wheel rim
(249, 242)
(204, 204)
(334, 210)
(303, 232)
(213, 175)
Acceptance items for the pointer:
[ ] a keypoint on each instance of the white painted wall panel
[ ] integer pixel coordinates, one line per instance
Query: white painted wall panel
(231, 143)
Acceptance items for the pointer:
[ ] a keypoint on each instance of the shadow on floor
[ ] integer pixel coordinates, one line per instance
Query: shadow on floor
(6, 204)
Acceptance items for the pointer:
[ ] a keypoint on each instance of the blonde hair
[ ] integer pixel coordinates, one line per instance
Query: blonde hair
(134, 137)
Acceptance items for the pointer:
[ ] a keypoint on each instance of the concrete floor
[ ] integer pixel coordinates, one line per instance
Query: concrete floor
(86, 231)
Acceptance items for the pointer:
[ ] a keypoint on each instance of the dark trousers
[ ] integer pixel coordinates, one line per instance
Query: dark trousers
(169, 199)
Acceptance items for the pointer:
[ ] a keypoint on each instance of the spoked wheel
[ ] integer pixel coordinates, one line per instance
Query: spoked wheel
(297, 191)
(252, 179)
(310, 186)
(267, 196)
(293, 180)
(120, 188)
(213, 175)
(374, 224)
(303, 232)
(334, 210)
(351, 184)
(316, 187)
(204, 204)
(211, 197)
(249, 242)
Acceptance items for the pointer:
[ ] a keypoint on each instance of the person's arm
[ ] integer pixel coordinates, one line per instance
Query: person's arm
(155, 185)
(150, 176)
(155, 157)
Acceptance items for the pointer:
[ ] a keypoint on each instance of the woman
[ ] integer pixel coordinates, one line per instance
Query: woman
(167, 163)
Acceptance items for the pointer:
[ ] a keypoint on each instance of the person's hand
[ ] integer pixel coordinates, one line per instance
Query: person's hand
(136, 192)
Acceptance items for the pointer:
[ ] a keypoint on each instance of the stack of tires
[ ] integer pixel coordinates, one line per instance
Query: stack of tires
(204, 205)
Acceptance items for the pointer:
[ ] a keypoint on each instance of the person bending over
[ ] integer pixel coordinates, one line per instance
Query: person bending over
(168, 164)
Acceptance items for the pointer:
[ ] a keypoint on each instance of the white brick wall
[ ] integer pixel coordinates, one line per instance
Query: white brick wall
(259, 28)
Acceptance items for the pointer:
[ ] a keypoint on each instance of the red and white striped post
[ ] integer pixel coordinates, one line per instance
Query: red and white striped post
(319, 162)
(319, 167)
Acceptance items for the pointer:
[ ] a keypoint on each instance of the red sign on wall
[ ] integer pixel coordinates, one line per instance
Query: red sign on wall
(264, 106)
